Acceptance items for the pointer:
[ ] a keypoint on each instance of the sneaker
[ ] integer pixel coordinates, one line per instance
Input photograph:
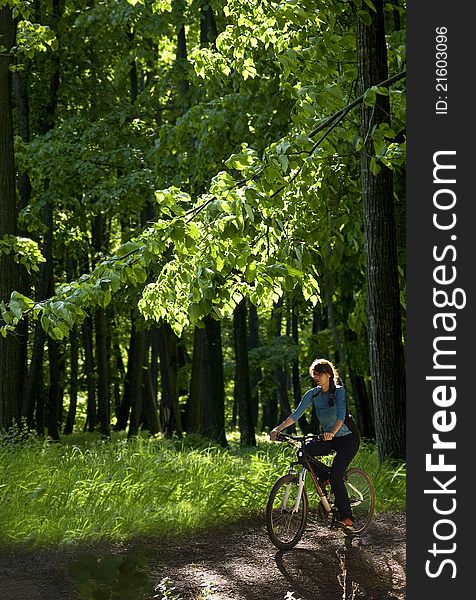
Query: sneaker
(345, 523)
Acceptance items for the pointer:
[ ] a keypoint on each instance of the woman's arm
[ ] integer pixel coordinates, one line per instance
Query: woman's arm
(296, 415)
(328, 435)
(286, 423)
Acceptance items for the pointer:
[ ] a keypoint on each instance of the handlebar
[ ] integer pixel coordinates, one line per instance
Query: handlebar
(301, 439)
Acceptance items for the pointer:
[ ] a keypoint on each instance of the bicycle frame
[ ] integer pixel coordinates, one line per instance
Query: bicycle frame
(287, 508)
(299, 442)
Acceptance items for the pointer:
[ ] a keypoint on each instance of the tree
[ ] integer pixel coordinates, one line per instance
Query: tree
(10, 346)
(242, 390)
(383, 294)
(236, 131)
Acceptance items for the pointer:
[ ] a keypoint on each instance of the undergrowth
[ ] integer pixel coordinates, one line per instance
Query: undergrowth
(85, 488)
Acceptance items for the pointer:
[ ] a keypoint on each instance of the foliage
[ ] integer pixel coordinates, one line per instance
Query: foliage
(83, 489)
(248, 201)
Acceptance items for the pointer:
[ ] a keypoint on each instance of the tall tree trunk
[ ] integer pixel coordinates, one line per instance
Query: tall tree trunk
(279, 370)
(154, 362)
(150, 409)
(73, 381)
(126, 403)
(32, 389)
(181, 62)
(10, 347)
(34, 381)
(169, 402)
(88, 344)
(55, 390)
(213, 399)
(196, 391)
(329, 286)
(33, 393)
(242, 376)
(119, 373)
(100, 244)
(383, 299)
(255, 373)
(363, 413)
(104, 417)
(208, 26)
(20, 86)
(135, 382)
(296, 379)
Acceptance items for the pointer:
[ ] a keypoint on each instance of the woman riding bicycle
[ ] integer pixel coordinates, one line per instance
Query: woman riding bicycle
(331, 409)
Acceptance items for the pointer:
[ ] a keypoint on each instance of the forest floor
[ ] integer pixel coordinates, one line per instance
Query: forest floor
(237, 562)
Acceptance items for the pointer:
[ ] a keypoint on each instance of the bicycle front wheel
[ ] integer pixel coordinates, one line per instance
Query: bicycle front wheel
(361, 494)
(285, 517)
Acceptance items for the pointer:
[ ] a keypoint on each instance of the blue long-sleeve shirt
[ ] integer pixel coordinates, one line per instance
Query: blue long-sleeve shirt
(327, 415)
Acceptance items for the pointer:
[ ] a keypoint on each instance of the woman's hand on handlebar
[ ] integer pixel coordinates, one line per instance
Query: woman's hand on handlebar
(273, 434)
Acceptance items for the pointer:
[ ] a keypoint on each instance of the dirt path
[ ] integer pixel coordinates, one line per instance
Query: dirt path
(236, 563)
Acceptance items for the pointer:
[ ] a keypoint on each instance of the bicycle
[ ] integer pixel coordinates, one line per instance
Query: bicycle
(288, 505)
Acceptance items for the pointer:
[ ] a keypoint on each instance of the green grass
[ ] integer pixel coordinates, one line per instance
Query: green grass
(84, 489)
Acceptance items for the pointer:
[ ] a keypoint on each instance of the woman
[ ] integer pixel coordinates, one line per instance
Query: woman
(331, 409)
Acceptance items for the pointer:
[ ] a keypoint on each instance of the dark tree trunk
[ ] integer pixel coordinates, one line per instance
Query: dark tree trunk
(178, 9)
(208, 26)
(255, 373)
(169, 402)
(195, 397)
(10, 347)
(92, 416)
(242, 376)
(73, 381)
(119, 376)
(135, 370)
(387, 365)
(34, 380)
(126, 403)
(339, 359)
(154, 362)
(41, 404)
(279, 371)
(32, 389)
(363, 412)
(46, 122)
(151, 413)
(55, 390)
(133, 78)
(319, 319)
(100, 325)
(363, 405)
(213, 399)
(20, 85)
(100, 244)
(296, 379)
(55, 395)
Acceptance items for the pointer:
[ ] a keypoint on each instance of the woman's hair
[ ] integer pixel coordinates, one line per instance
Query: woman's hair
(321, 365)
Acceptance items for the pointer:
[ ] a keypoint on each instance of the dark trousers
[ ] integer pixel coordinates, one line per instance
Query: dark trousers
(345, 448)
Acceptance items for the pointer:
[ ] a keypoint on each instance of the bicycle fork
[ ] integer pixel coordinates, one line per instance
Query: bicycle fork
(297, 502)
(302, 479)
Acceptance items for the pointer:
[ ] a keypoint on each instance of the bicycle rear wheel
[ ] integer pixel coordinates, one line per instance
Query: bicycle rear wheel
(361, 494)
(284, 520)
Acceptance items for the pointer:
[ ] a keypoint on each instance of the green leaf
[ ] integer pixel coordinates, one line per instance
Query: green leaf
(371, 5)
(365, 17)
(15, 309)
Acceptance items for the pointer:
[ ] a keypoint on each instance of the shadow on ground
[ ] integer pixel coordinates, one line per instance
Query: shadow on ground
(234, 563)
